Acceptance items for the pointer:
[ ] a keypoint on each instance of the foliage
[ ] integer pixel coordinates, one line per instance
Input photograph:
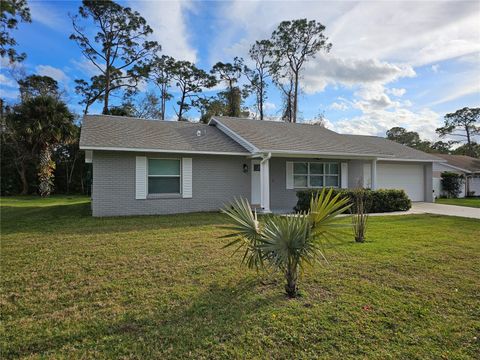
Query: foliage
(161, 71)
(293, 44)
(452, 183)
(230, 73)
(190, 81)
(359, 215)
(36, 85)
(376, 201)
(472, 150)
(32, 131)
(119, 49)
(463, 123)
(258, 75)
(285, 243)
(11, 12)
(412, 139)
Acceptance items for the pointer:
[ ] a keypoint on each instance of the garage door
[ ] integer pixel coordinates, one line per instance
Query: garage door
(402, 176)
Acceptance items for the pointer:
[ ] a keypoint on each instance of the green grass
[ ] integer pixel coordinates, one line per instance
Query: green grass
(163, 287)
(470, 202)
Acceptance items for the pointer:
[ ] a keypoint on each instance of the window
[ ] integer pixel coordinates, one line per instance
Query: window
(163, 176)
(315, 174)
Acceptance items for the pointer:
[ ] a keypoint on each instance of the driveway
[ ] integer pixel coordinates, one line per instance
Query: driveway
(441, 209)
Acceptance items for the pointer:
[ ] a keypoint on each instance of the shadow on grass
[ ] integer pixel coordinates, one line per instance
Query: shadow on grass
(200, 324)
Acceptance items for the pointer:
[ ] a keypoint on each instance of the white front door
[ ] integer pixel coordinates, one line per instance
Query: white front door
(255, 182)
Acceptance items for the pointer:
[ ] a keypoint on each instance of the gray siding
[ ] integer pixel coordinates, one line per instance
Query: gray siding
(281, 198)
(216, 181)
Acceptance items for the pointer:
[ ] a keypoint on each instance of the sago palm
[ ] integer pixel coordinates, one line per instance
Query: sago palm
(286, 243)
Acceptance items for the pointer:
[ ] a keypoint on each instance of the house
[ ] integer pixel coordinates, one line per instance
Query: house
(162, 167)
(467, 166)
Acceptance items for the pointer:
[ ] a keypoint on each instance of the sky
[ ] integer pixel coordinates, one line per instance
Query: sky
(391, 63)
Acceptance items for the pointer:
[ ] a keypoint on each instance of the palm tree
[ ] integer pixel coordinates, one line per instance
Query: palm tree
(46, 123)
(286, 243)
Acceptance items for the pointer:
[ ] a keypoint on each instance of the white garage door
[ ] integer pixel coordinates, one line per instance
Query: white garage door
(402, 176)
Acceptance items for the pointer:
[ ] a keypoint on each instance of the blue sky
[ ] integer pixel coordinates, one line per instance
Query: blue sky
(392, 63)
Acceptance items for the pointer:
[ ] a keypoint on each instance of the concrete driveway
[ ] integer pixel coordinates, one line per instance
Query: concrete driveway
(441, 209)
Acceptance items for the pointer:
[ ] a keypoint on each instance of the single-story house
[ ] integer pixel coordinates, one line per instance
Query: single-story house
(467, 166)
(163, 167)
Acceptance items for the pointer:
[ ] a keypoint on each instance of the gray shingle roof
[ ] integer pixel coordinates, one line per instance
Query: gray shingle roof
(463, 162)
(117, 132)
(103, 131)
(284, 137)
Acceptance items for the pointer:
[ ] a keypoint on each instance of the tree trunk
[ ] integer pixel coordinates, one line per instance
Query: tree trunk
(469, 141)
(291, 276)
(45, 173)
(22, 172)
(261, 100)
(295, 99)
(180, 111)
(163, 103)
(107, 84)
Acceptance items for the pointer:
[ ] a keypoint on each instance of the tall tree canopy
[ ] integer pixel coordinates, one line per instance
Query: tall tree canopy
(463, 123)
(33, 129)
(190, 82)
(11, 12)
(38, 85)
(258, 75)
(161, 74)
(119, 49)
(294, 43)
(230, 73)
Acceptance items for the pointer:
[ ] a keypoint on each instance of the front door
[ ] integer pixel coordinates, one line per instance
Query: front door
(255, 182)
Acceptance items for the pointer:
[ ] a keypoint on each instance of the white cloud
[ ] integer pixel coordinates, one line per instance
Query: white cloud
(7, 82)
(53, 72)
(378, 122)
(327, 69)
(86, 67)
(48, 15)
(340, 106)
(269, 106)
(170, 29)
(396, 92)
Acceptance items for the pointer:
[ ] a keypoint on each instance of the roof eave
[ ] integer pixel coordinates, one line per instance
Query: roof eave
(171, 151)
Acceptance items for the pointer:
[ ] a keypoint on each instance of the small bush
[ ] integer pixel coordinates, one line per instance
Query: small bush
(451, 184)
(377, 201)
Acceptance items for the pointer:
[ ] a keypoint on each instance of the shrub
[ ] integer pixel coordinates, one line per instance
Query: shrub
(360, 216)
(285, 243)
(377, 201)
(452, 183)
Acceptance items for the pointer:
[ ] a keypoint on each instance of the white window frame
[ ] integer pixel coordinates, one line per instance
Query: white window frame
(324, 175)
(166, 176)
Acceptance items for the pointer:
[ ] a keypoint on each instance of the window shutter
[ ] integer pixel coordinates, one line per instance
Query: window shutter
(141, 177)
(187, 177)
(344, 175)
(289, 180)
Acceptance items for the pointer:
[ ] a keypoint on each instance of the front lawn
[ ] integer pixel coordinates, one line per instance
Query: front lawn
(470, 202)
(162, 287)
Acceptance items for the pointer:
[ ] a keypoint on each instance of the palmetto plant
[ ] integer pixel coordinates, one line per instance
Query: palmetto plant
(286, 243)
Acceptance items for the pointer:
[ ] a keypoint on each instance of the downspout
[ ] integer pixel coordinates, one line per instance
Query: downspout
(265, 182)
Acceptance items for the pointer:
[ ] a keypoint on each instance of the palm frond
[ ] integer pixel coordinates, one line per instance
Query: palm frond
(246, 231)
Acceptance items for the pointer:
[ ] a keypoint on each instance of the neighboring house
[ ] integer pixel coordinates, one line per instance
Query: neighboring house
(163, 167)
(467, 166)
